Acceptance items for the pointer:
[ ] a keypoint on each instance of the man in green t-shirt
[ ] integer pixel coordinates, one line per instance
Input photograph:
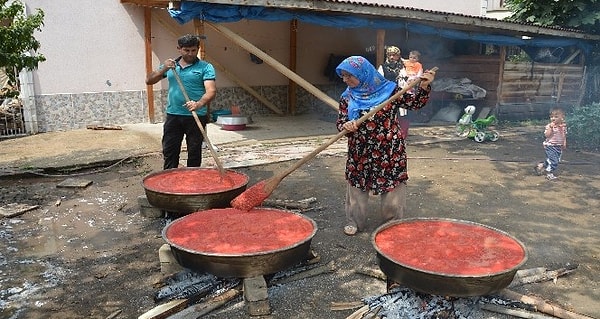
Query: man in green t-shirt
(198, 79)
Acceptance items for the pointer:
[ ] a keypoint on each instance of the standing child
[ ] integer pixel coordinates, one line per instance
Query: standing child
(555, 143)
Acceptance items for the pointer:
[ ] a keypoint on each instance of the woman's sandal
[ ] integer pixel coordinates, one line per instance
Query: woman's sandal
(350, 230)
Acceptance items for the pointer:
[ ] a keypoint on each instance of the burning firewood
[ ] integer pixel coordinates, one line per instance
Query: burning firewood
(193, 286)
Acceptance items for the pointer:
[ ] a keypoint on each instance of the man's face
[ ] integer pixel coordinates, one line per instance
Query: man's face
(188, 54)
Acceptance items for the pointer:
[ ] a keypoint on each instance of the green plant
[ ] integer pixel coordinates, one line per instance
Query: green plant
(19, 46)
(583, 128)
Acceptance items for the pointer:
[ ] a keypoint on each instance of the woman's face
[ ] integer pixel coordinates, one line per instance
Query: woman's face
(349, 79)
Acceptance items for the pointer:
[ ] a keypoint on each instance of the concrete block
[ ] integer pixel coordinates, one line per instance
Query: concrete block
(168, 263)
(148, 210)
(255, 289)
(256, 296)
(258, 308)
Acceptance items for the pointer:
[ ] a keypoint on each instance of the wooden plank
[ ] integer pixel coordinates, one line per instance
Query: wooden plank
(74, 183)
(15, 209)
(163, 311)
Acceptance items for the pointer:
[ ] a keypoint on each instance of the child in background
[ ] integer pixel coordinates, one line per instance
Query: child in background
(412, 68)
(555, 143)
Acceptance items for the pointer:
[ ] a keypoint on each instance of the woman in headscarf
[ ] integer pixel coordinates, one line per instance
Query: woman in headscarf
(376, 160)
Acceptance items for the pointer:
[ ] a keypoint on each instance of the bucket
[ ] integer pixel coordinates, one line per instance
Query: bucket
(216, 113)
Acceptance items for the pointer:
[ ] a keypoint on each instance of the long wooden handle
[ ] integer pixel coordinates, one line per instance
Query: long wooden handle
(359, 121)
(274, 63)
(210, 147)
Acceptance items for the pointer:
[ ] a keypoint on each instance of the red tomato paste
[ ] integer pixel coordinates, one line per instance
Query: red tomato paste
(250, 198)
(194, 181)
(230, 231)
(449, 247)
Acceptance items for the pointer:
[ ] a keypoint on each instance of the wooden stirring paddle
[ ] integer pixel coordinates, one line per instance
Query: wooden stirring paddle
(210, 146)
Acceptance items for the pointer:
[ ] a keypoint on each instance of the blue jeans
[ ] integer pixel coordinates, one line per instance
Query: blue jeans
(553, 153)
(174, 129)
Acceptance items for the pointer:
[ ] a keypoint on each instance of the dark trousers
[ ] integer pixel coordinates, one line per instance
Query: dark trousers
(553, 154)
(174, 129)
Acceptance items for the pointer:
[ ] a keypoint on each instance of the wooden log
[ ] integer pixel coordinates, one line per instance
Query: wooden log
(204, 308)
(114, 314)
(358, 314)
(301, 204)
(346, 305)
(375, 273)
(103, 127)
(542, 306)
(546, 275)
(163, 311)
(514, 312)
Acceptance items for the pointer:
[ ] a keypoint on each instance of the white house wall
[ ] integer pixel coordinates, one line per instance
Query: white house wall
(94, 70)
(87, 43)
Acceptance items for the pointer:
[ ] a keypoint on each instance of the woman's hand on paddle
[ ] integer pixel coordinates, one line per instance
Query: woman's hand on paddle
(350, 126)
(426, 78)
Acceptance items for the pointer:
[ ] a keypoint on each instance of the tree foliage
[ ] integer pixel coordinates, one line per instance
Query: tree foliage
(19, 47)
(583, 15)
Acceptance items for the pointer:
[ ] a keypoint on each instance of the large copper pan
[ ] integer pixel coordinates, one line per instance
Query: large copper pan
(196, 228)
(419, 263)
(162, 189)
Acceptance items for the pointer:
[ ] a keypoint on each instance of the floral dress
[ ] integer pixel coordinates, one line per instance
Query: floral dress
(376, 151)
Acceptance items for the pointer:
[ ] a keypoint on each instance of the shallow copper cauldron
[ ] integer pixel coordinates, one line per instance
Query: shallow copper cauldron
(427, 280)
(164, 196)
(239, 264)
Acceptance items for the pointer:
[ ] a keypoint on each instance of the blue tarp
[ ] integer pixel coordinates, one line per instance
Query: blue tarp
(222, 13)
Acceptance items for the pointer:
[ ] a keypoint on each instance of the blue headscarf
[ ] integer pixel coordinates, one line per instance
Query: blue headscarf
(372, 90)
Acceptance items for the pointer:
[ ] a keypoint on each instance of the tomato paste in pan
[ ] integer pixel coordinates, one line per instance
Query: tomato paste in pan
(194, 181)
(230, 231)
(449, 247)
